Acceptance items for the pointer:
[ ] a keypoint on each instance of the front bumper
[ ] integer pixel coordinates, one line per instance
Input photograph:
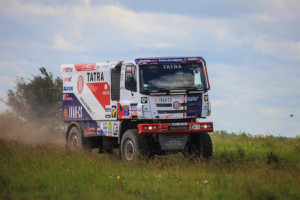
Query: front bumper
(175, 128)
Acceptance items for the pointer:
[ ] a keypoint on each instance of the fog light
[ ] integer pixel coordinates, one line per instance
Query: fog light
(150, 128)
(205, 126)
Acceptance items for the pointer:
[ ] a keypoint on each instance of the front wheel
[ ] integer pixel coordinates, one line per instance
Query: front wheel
(133, 145)
(200, 145)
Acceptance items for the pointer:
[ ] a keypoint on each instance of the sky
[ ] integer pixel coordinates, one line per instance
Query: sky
(252, 49)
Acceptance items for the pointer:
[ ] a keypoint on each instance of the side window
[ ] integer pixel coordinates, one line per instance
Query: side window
(130, 78)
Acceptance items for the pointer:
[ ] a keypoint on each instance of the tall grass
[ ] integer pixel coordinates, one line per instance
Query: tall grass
(242, 167)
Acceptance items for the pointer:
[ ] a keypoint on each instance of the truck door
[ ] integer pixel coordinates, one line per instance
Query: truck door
(128, 92)
(129, 83)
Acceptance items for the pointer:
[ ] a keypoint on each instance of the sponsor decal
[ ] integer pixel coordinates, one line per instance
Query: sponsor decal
(176, 105)
(126, 111)
(95, 77)
(75, 112)
(107, 108)
(68, 89)
(99, 129)
(80, 84)
(107, 116)
(114, 111)
(66, 112)
(110, 129)
(133, 110)
(205, 97)
(144, 100)
(130, 68)
(105, 129)
(165, 100)
(172, 66)
(68, 79)
(116, 129)
(86, 67)
(90, 130)
(66, 97)
(195, 59)
(67, 69)
(189, 98)
(86, 105)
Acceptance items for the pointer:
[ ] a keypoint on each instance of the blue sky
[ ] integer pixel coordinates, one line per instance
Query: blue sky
(252, 48)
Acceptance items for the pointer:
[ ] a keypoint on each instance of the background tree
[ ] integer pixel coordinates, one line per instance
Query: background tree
(38, 99)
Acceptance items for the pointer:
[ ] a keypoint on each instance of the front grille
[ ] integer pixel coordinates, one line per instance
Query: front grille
(175, 111)
(168, 105)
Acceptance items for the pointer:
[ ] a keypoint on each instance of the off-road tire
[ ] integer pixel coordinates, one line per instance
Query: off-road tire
(200, 146)
(134, 146)
(75, 139)
(204, 145)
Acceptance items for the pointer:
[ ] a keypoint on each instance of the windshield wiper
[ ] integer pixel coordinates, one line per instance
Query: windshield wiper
(190, 88)
(145, 91)
(162, 90)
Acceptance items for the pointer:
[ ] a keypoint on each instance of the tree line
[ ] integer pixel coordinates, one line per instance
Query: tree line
(37, 99)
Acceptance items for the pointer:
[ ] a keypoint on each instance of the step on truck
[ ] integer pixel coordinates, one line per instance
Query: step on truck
(146, 106)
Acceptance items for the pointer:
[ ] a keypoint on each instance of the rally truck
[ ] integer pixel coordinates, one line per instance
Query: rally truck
(145, 106)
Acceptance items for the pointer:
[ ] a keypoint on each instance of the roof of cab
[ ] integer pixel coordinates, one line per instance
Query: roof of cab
(161, 60)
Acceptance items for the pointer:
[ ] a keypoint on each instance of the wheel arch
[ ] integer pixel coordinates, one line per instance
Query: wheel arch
(126, 125)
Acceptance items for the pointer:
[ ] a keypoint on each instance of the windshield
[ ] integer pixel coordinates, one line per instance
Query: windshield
(163, 77)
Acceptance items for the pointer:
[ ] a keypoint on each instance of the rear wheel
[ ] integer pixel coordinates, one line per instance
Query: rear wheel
(75, 139)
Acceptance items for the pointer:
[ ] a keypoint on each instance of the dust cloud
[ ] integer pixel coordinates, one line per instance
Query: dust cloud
(35, 132)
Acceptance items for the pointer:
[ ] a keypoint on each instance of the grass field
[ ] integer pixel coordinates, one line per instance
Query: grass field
(242, 167)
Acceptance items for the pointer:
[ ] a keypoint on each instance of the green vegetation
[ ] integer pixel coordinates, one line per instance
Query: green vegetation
(242, 167)
(37, 99)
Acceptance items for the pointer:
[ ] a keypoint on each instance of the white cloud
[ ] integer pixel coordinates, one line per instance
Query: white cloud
(242, 93)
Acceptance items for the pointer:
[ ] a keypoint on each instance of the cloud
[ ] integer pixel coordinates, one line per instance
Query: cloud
(84, 26)
(252, 47)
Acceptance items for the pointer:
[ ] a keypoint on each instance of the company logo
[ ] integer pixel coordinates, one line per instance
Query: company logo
(116, 129)
(95, 76)
(176, 105)
(68, 79)
(133, 110)
(75, 112)
(66, 112)
(86, 105)
(86, 67)
(106, 92)
(67, 98)
(105, 128)
(189, 98)
(165, 99)
(113, 111)
(67, 69)
(68, 89)
(80, 84)
(172, 66)
(126, 110)
(144, 100)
